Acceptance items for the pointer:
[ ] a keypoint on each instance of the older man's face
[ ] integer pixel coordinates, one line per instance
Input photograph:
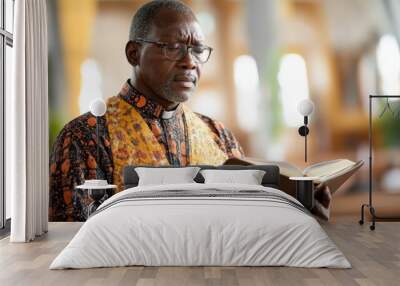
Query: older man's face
(171, 80)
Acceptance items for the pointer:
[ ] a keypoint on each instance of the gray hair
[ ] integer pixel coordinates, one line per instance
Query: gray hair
(144, 17)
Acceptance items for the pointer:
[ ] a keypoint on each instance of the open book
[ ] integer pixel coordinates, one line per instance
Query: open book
(330, 173)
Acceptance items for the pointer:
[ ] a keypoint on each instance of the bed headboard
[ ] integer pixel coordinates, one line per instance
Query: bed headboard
(270, 179)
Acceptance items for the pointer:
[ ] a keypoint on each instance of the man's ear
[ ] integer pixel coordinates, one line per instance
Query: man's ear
(132, 53)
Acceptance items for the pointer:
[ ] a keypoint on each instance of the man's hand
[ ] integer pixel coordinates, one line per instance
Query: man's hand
(323, 198)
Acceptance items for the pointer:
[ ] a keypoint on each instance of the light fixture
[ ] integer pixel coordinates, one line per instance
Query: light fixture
(305, 108)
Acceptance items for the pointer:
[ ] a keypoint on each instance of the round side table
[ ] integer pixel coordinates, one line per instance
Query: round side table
(96, 190)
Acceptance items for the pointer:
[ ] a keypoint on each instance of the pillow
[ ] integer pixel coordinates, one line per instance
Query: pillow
(248, 177)
(162, 176)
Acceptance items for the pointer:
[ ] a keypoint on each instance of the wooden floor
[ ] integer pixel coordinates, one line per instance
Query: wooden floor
(348, 204)
(374, 255)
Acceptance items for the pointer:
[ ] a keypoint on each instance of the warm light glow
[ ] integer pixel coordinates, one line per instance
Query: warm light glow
(293, 82)
(247, 92)
(388, 58)
(90, 84)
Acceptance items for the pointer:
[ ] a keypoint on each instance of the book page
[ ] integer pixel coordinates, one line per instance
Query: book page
(285, 168)
(335, 180)
(328, 168)
(331, 173)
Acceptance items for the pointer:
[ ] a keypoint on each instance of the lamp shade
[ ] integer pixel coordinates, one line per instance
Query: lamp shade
(98, 107)
(305, 107)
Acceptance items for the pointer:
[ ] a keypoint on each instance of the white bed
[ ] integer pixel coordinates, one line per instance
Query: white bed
(222, 225)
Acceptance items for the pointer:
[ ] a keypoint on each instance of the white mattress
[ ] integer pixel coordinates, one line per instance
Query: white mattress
(190, 230)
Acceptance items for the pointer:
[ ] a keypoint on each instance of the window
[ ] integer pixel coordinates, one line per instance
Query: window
(293, 83)
(6, 62)
(388, 59)
(248, 96)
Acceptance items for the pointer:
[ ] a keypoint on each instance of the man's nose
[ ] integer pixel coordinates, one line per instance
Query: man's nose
(188, 61)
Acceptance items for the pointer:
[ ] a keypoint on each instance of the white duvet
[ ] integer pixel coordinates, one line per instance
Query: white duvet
(185, 230)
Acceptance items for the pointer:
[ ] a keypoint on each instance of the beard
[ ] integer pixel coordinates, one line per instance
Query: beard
(175, 96)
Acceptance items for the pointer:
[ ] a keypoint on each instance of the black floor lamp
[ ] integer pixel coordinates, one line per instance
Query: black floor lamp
(305, 108)
(370, 205)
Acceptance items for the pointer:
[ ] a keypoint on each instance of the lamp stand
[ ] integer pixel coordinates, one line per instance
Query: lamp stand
(305, 148)
(303, 131)
(97, 148)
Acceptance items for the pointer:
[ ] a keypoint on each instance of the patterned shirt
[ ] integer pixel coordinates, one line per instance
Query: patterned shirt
(74, 153)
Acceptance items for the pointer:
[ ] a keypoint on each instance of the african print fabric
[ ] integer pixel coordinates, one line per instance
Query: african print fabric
(73, 158)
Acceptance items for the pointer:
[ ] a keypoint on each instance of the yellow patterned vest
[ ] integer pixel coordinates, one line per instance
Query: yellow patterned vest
(133, 143)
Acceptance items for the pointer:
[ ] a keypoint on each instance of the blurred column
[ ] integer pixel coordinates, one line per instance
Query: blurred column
(262, 31)
(225, 11)
(76, 19)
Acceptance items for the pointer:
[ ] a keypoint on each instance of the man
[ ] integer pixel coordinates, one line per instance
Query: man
(146, 124)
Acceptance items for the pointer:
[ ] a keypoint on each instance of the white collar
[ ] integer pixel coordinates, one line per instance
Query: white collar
(168, 114)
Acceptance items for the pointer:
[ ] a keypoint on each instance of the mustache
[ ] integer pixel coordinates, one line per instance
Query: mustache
(186, 76)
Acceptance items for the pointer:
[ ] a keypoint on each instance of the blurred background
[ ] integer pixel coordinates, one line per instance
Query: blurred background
(268, 55)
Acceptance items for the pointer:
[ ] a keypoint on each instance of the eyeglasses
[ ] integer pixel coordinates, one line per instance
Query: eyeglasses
(177, 51)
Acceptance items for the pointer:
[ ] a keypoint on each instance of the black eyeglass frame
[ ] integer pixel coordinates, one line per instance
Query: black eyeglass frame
(165, 45)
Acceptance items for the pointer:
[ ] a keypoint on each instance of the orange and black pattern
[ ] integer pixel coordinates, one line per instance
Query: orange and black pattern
(73, 157)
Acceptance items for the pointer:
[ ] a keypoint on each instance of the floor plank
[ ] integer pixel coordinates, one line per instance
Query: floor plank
(374, 255)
